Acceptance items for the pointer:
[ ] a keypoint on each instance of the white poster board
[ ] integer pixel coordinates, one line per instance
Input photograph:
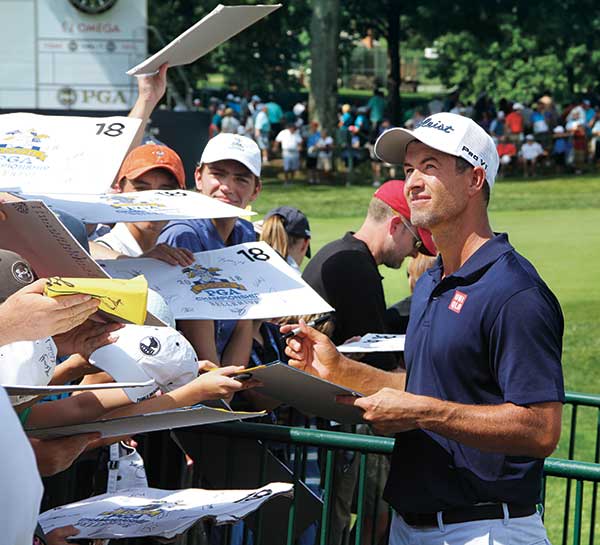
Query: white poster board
(155, 205)
(219, 25)
(309, 394)
(374, 342)
(247, 281)
(62, 154)
(20, 389)
(145, 512)
(131, 425)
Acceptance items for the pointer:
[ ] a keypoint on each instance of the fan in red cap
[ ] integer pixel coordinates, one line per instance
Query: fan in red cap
(392, 194)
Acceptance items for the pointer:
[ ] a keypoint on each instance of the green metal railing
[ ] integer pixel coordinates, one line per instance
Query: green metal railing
(300, 438)
(591, 403)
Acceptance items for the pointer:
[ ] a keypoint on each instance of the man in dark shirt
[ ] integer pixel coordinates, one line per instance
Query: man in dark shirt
(345, 272)
(480, 405)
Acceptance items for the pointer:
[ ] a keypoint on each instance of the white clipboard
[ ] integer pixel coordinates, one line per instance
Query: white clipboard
(219, 25)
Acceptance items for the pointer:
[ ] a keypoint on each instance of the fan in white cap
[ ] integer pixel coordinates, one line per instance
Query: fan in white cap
(234, 147)
(145, 352)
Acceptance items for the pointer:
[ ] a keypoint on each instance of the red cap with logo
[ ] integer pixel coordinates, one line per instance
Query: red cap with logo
(149, 157)
(392, 194)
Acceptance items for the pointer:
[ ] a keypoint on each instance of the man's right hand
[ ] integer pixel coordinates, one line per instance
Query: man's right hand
(28, 315)
(312, 352)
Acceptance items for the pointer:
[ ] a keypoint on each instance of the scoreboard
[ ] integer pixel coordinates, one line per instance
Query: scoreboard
(70, 54)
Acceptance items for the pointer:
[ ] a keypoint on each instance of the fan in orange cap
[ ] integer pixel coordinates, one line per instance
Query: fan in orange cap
(147, 167)
(150, 167)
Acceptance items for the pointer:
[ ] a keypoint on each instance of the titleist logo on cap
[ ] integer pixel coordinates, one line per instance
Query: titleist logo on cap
(428, 123)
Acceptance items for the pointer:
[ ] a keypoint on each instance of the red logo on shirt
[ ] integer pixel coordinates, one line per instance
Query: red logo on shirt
(458, 301)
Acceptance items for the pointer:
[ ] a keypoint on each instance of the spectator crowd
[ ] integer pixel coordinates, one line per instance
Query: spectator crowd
(532, 138)
(304, 145)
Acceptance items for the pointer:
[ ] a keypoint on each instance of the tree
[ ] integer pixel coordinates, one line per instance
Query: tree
(384, 21)
(511, 68)
(324, 39)
(260, 57)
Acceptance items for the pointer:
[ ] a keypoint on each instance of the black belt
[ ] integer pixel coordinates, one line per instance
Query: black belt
(468, 514)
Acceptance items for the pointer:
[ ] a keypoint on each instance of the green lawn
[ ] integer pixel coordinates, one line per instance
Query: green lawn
(555, 223)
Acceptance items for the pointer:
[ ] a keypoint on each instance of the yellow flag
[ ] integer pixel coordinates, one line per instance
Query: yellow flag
(126, 299)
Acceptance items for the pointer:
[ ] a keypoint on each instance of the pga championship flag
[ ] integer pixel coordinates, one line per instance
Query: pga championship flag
(144, 512)
(62, 154)
(248, 281)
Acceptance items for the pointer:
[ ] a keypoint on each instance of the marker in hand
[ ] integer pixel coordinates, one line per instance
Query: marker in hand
(312, 323)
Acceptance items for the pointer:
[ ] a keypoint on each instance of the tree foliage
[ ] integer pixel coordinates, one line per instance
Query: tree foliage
(515, 49)
(519, 49)
(260, 57)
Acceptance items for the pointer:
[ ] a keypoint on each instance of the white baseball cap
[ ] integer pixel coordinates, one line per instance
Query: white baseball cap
(27, 363)
(146, 352)
(235, 147)
(450, 133)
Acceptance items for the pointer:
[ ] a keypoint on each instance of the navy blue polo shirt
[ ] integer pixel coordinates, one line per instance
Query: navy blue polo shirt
(201, 235)
(488, 334)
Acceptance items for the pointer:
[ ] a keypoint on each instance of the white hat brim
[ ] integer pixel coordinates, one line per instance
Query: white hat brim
(115, 361)
(390, 147)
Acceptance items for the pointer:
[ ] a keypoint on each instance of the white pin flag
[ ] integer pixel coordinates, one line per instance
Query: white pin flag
(248, 281)
(156, 205)
(219, 25)
(145, 512)
(62, 154)
(375, 342)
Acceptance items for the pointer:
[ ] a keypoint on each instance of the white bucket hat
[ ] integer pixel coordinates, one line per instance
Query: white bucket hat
(146, 352)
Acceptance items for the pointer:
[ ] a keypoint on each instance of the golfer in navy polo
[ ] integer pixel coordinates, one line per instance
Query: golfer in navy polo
(480, 405)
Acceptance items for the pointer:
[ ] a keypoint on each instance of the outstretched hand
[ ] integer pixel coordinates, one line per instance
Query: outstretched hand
(390, 411)
(220, 383)
(86, 338)
(28, 314)
(152, 87)
(56, 455)
(311, 351)
(59, 536)
(171, 255)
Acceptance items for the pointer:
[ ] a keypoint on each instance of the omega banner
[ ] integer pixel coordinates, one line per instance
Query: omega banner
(71, 54)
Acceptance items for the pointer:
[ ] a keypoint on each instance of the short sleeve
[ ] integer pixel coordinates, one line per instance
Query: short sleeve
(526, 348)
(181, 236)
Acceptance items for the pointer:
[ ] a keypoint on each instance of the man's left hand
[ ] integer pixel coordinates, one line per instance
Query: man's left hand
(389, 411)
